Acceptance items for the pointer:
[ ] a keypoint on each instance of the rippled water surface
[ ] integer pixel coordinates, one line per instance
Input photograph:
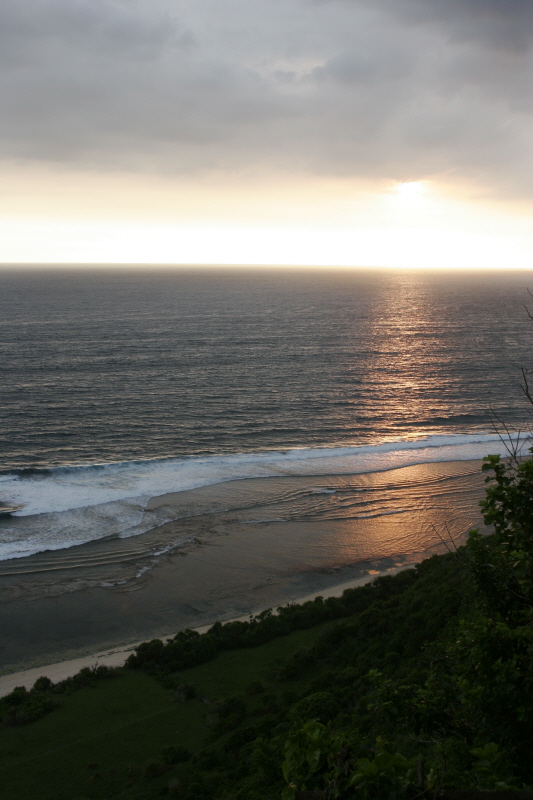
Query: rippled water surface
(177, 446)
(122, 365)
(118, 385)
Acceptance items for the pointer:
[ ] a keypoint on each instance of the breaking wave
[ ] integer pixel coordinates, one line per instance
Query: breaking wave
(62, 507)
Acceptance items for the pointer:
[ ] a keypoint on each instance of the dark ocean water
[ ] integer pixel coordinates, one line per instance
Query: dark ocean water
(121, 384)
(122, 365)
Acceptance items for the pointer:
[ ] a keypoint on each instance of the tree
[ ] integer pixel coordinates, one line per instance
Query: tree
(471, 714)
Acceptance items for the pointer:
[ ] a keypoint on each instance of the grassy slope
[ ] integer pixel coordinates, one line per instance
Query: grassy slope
(99, 740)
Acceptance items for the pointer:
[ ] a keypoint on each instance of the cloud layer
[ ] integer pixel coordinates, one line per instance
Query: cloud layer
(384, 89)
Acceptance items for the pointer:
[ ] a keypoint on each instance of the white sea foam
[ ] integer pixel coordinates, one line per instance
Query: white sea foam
(82, 486)
(56, 530)
(71, 505)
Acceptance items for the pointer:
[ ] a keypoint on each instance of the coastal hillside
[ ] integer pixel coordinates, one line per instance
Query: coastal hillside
(415, 683)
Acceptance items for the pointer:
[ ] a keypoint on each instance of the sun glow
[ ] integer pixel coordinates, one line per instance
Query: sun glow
(48, 241)
(328, 222)
(410, 189)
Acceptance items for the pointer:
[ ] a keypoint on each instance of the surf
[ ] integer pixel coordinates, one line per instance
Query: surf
(29, 492)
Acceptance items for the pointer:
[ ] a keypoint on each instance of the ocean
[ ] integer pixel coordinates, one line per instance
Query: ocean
(140, 405)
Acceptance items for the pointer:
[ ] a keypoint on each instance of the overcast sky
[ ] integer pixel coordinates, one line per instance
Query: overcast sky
(161, 97)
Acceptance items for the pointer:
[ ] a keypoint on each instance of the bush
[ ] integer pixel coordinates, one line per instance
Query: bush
(175, 755)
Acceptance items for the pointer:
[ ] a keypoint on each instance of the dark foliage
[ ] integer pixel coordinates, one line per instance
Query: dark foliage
(189, 648)
(423, 682)
(357, 664)
(22, 706)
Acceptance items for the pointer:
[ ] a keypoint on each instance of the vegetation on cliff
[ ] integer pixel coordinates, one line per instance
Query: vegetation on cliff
(412, 684)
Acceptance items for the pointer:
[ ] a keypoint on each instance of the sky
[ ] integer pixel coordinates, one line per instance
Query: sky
(386, 133)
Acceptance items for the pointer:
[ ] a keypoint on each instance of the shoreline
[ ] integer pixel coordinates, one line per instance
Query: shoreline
(161, 497)
(116, 656)
(233, 550)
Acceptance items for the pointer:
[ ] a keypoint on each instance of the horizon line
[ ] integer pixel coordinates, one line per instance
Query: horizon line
(7, 265)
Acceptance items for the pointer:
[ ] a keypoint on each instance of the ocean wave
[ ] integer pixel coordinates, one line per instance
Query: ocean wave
(61, 489)
(77, 505)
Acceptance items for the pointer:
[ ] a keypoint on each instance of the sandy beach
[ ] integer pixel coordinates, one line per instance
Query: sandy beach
(232, 550)
(116, 657)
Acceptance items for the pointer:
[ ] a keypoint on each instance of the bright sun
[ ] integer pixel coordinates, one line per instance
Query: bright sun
(410, 188)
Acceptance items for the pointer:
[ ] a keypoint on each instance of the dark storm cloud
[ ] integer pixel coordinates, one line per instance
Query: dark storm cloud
(506, 24)
(395, 89)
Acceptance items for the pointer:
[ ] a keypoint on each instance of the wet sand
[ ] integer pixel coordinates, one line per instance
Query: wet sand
(96, 597)
(212, 582)
(116, 657)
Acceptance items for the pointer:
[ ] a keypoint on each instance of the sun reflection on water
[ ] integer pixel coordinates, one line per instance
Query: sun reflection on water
(408, 373)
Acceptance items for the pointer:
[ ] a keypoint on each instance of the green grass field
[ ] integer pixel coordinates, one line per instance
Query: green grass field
(100, 740)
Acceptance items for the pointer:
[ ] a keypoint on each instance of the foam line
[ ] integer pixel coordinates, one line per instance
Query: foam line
(76, 487)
